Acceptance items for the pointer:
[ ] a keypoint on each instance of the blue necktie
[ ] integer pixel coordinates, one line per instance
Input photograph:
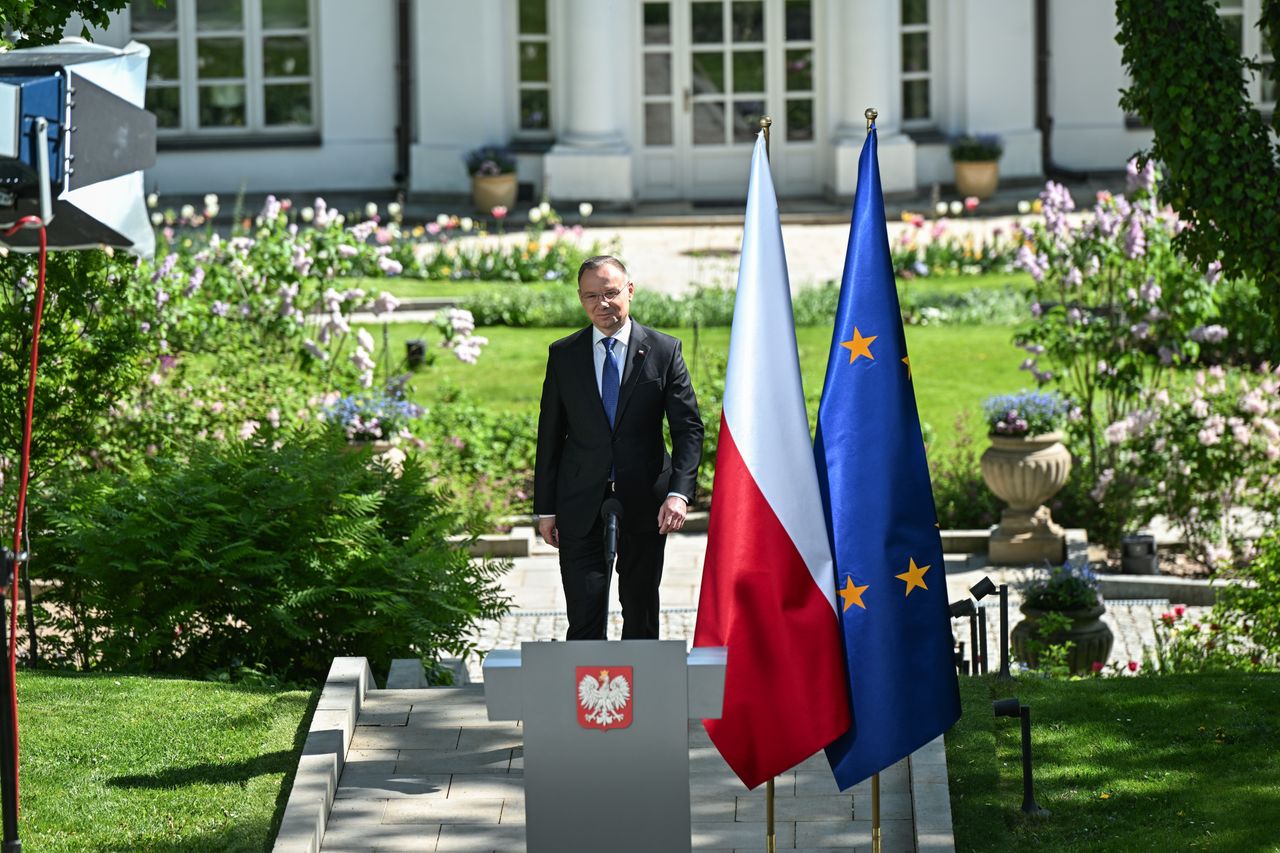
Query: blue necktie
(609, 381)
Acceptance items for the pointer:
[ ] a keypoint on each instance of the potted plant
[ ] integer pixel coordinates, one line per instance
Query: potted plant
(378, 421)
(493, 177)
(1025, 466)
(977, 164)
(1062, 608)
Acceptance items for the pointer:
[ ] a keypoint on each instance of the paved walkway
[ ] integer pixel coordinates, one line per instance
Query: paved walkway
(538, 602)
(427, 771)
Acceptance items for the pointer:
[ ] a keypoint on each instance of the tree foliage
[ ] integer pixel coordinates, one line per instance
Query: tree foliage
(1222, 170)
(37, 22)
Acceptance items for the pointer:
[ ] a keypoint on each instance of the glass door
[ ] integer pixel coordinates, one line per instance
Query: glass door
(712, 68)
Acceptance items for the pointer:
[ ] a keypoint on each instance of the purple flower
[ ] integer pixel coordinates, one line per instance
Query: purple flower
(1135, 239)
(193, 283)
(390, 266)
(220, 308)
(1213, 273)
(1211, 334)
(1150, 291)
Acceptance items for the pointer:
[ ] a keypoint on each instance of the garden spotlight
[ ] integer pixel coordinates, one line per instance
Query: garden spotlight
(982, 588)
(962, 608)
(1014, 708)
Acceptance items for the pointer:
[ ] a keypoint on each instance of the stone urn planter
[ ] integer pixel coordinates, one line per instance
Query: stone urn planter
(490, 191)
(1024, 472)
(1088, 636)
(977, 177)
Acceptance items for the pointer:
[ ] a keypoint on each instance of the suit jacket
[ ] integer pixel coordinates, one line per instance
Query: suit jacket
(577, 449)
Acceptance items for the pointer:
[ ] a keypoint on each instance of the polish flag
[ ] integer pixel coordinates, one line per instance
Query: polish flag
(768, 583)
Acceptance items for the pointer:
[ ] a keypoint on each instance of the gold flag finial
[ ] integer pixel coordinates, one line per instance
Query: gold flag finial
(871, 114)
(765, 124)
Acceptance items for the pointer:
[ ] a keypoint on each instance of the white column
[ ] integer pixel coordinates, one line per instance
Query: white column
(591, 160)
(863, 49)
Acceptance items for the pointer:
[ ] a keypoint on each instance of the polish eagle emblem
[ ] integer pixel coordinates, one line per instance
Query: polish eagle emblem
(604, 697)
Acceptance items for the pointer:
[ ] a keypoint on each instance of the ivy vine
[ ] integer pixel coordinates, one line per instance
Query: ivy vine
(1221, 165)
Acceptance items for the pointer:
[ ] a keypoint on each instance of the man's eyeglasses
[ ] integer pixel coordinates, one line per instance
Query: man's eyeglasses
(606, 296)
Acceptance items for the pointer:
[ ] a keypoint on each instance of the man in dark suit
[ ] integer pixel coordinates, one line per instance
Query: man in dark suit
(607, 389)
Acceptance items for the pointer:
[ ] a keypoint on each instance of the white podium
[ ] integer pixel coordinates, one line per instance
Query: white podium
(606, 743)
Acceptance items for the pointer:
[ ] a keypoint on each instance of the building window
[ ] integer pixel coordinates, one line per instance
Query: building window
(229, 68)
(534, 73)
(917, 74)
(1240, 18)
(800, 71)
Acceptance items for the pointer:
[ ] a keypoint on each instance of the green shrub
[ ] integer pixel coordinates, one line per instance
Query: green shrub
(91, 351)
(1256, 609)
(275, 557)
(960, 495)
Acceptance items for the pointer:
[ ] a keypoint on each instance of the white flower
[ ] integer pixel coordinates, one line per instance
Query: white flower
(153, 199)
(442, 220)
(211, 200)
(466, 223)
(535, 215)
(394, 208)
(157, 219)
(308, 214)
(1024, 207)
(545, 207)
(956, 208)
(187, 211)
(384, 304)
(360, 358)
(585, 209)
(940, 208)
(365, 339)
(370, 210)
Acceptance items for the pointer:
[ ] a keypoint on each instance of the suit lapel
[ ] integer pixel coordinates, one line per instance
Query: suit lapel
(637, 350)
(584, 372)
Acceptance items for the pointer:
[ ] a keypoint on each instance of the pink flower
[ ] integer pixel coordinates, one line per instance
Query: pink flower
(1133, 666)
(1097, 666)
(1167, 618)
(499, 212)
(971, 203)
(1179, 609)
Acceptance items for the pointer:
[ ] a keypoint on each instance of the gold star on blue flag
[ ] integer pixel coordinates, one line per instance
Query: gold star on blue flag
(880, 513)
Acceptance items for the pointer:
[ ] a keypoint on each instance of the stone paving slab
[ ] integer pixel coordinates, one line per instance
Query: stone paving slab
(460, 787)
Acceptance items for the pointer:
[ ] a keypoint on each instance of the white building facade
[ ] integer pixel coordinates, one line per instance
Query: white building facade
(628, 101)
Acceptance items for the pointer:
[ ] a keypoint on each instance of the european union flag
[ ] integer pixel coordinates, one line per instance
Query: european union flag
(880, 512)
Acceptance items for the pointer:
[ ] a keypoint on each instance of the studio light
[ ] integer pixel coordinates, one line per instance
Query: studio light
(74, 139)
(1014, 708)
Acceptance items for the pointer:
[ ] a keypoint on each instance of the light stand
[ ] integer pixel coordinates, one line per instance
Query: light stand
(1014, 708)
(8, 723)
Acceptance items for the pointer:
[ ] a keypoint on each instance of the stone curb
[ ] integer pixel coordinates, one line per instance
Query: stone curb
(323, 756)
(1176, 590)
(931, 798)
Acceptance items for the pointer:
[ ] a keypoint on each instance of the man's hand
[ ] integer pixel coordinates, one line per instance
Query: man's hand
(672, 513)
(547, 529)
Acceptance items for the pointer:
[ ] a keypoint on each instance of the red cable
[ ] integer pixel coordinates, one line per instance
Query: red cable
(22, 482)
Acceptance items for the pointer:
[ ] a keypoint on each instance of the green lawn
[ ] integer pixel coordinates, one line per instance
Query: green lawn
(1166, 763)
(415, 287)
(409, 288)
(143, 764)
(955, 367)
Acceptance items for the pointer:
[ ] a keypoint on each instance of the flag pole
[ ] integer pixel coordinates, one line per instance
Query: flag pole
(875, 813)
(770, 835)
(870, 114)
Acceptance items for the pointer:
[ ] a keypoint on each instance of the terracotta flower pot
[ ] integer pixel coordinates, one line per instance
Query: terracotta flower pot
(1025, 472)
(490, 191)
(1088, 636)
(977, 177)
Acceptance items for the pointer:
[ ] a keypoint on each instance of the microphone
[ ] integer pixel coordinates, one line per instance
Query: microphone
(611, 515)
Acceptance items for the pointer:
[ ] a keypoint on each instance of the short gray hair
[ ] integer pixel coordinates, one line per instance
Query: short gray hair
(596, 261)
